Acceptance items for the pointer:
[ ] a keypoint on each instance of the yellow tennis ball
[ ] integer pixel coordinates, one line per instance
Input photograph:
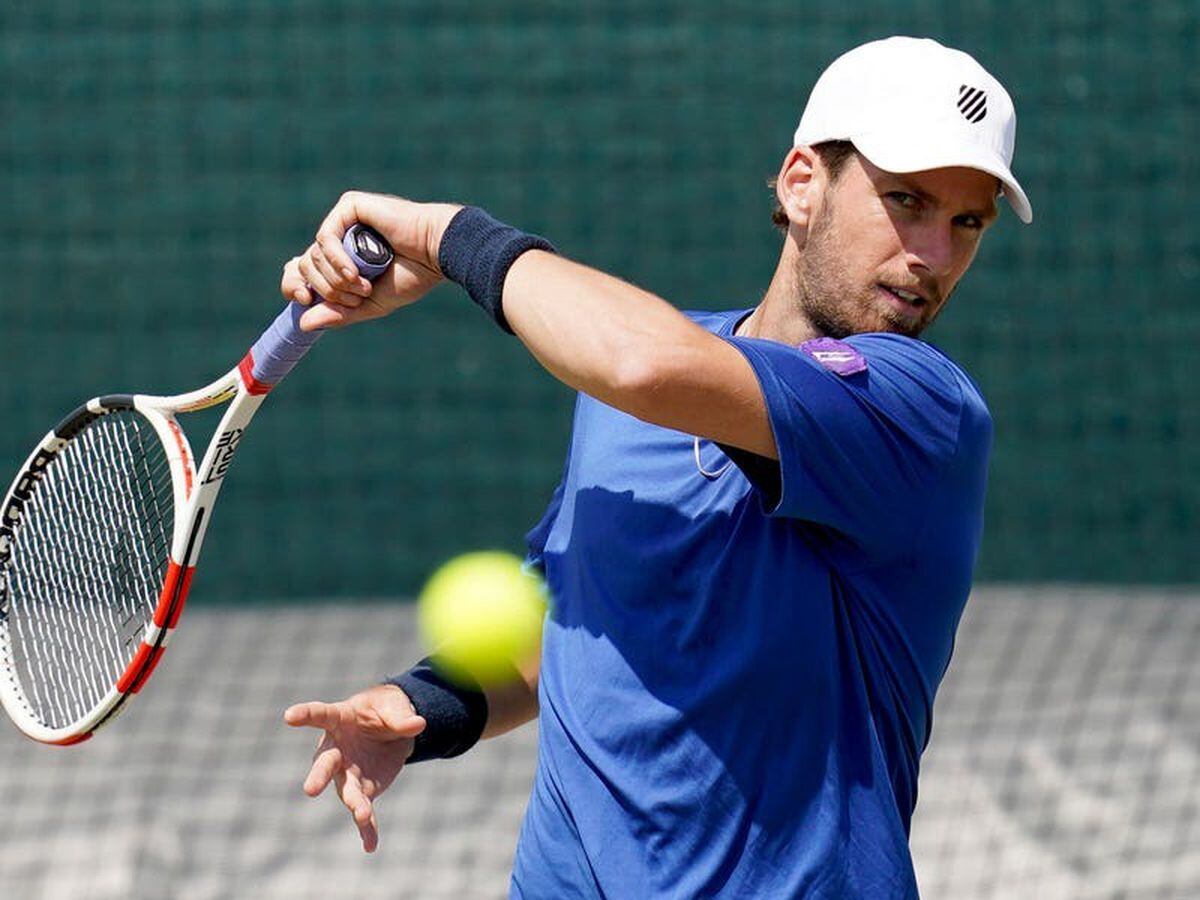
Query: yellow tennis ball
(481, 614)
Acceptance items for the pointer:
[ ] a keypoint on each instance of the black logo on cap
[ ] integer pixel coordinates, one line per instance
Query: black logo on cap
(972, 103)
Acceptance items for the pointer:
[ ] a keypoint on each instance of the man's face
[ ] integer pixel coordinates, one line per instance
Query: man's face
(883, 252)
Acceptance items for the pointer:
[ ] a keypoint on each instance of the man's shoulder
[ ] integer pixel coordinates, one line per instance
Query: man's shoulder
(927, 366)
(903, 350)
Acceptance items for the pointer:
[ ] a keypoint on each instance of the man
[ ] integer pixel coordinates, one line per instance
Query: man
(766, 528)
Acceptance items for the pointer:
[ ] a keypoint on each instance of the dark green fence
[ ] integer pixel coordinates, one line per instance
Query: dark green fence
(159, 161)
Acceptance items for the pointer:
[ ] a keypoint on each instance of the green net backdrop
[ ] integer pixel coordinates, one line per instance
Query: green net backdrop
(159, 162)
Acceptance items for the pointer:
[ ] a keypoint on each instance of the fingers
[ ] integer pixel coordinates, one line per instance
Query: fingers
(354, 730)
(316, 714)
(402, 724)
(397, 717)
(353, 797)
(337, 264)
(369, 834)
(330, 284)
(383, 212)
(344, 214)
(327, 763)
(322, 274)
(350, 788)
(326, 271)
(330, 315)
(292, 285)
(333, 260)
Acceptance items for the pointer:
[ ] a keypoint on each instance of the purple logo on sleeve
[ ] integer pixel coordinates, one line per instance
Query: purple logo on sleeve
(837, 357)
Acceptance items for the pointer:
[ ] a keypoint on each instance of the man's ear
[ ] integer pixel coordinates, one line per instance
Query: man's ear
(796, 187)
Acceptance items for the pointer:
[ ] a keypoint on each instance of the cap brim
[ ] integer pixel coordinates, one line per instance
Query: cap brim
(887, 155)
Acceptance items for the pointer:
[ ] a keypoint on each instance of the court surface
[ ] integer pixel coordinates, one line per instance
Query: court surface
(1065, 763)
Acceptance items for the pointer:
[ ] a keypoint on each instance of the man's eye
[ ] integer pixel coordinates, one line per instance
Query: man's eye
(900, 198)
(972, 222)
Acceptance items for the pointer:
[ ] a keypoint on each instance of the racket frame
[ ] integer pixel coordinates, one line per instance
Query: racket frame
(194, 491)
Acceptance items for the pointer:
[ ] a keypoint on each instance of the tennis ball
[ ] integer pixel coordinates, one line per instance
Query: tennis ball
(481, 613)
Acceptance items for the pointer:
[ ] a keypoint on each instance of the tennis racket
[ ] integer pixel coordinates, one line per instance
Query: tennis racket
(101, 530)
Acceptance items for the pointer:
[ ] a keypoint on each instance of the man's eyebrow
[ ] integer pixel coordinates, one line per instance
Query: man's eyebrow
(987, 213)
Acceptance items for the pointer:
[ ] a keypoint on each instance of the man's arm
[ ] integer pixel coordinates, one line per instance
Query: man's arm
(596, 333)
(513, 703)
(634, 351)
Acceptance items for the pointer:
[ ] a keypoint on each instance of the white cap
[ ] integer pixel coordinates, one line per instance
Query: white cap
(910, 104)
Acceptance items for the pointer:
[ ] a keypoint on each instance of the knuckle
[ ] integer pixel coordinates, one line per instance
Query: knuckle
(331, 247)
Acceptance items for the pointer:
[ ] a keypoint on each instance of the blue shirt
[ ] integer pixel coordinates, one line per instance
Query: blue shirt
(738, 672)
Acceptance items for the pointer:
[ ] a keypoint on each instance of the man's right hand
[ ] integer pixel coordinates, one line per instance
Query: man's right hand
(324, 270)
(368, 737)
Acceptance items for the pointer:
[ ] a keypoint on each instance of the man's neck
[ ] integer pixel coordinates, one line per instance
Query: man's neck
(779, 316)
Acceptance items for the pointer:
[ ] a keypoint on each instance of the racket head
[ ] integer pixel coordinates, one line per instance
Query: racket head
(89, 588)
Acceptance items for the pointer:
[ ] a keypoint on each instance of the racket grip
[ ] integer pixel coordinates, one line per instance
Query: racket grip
(283, 344)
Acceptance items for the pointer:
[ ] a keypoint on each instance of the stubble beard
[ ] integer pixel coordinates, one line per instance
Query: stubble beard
(833, 305)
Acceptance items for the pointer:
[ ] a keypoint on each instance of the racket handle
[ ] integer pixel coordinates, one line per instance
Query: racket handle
(283, 344)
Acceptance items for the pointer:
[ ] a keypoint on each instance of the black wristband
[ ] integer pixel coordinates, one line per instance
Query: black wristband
(454, 715)
(477, 251)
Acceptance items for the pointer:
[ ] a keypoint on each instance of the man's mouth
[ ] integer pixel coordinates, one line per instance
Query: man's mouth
(903, 298)
(910, 297)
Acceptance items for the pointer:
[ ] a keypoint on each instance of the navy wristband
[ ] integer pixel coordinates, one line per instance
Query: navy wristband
(477, 251)
(454, 715)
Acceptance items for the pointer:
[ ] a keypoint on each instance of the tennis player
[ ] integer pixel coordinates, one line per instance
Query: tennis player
(767, 525)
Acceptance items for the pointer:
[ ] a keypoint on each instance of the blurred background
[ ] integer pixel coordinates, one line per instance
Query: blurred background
(160, 161)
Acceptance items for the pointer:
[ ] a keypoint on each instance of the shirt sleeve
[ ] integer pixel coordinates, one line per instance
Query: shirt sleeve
(861, 452)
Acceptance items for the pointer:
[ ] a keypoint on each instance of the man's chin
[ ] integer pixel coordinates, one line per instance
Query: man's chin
(908, 325)
(907, 329)
(836, 324)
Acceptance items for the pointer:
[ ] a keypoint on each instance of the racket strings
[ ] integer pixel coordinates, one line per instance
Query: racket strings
(80, 651)
(88, 564)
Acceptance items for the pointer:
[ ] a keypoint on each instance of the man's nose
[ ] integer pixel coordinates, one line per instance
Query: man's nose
(931, 246)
